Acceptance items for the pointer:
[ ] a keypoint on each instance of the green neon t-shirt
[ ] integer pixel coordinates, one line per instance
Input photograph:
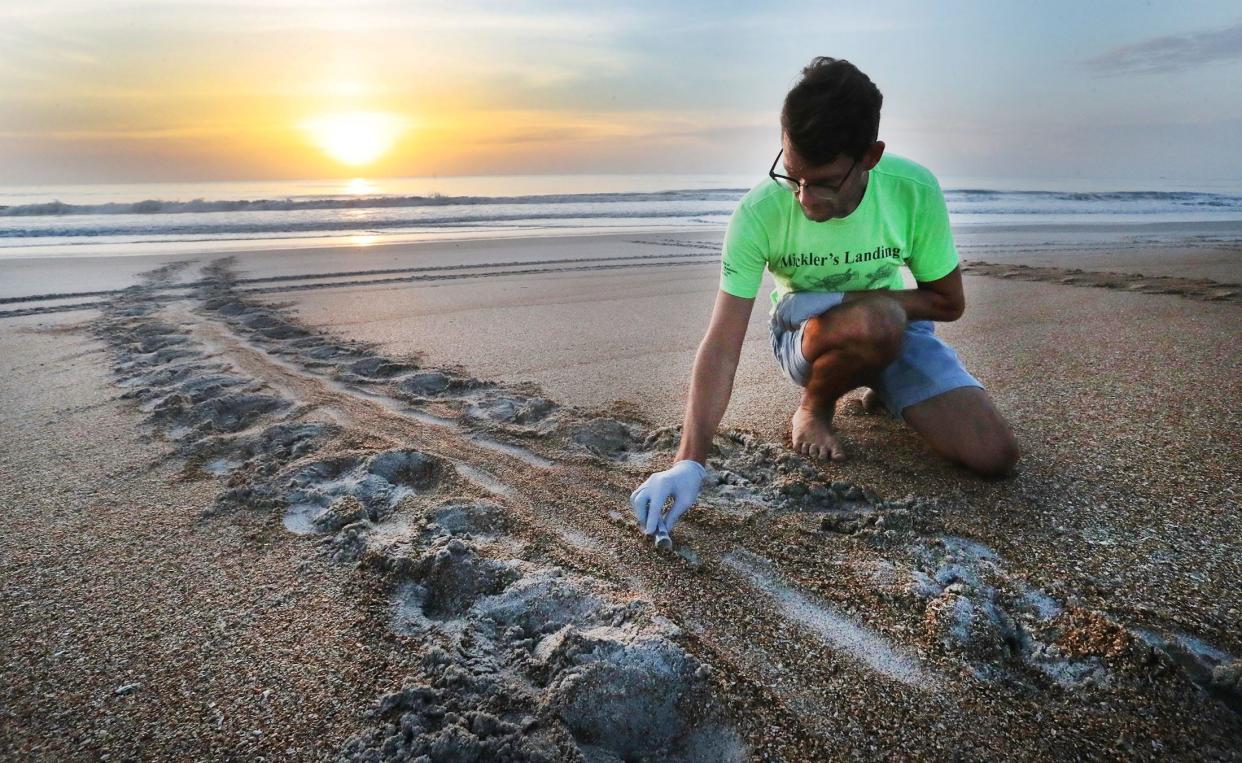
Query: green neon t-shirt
(902, 220)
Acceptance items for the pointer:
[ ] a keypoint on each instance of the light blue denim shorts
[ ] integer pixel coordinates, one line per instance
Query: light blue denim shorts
(925, 368)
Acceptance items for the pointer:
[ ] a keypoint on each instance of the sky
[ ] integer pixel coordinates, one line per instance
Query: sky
(171, 91)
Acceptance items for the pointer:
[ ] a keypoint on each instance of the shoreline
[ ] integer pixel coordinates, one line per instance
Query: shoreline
(1212, 244)
(450, 236)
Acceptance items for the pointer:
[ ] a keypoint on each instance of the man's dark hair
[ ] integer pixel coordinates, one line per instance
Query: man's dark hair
(833, 110)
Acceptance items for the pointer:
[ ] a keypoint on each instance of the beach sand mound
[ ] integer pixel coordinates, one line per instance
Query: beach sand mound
(538, 664)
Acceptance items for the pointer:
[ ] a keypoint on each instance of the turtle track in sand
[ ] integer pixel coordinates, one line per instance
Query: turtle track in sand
(800, 616)
(354, 278)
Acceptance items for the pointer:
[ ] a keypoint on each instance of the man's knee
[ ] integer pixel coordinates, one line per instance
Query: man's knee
(872, 328)
(994, 458)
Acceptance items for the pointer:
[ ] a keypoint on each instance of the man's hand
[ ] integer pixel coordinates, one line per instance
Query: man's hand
(798, 306)
(682, 483)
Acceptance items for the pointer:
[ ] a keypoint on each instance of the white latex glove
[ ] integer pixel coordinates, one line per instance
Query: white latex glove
(682, 483)
(797, 306)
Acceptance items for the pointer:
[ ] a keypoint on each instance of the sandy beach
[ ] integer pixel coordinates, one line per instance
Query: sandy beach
(370, 504)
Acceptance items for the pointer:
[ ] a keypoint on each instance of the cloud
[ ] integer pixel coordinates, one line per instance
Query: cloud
(1171, 53)
(30, 51)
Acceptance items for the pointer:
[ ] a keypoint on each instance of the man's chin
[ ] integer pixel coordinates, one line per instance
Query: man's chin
(818, 216)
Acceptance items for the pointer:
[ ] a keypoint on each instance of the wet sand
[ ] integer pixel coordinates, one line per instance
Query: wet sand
(435, 458)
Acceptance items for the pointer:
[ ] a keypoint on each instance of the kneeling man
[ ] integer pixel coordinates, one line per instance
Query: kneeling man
(834, 222)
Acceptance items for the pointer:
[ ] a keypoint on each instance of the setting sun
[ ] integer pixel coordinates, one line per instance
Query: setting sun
(356, 138)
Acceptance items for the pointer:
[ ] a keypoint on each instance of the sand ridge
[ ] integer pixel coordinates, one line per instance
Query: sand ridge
(1192, 288)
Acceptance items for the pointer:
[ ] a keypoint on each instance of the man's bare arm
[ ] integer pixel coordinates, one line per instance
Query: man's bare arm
(711, 381)
(939, 300)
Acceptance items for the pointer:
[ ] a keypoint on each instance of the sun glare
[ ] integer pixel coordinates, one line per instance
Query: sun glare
(359, 187)
(357, 137)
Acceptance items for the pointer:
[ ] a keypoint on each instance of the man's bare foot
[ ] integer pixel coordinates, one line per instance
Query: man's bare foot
(870, 401)
(813, 436)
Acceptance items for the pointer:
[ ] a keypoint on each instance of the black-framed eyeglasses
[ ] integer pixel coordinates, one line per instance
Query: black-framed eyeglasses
(821, 192)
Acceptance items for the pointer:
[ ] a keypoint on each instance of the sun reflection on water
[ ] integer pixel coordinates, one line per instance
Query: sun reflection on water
(360, 187)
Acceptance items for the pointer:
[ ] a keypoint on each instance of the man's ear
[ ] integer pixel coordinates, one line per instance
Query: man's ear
(872, 157)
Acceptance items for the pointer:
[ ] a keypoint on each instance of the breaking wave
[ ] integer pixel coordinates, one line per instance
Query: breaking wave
(44, 224)
(161, 206)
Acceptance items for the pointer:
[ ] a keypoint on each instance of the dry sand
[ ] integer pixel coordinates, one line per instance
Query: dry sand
(388, 518)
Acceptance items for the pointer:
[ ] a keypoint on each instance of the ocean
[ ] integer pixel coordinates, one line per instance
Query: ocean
(219, 216)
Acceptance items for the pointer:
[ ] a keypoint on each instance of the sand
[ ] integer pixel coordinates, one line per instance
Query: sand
(371, 505)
